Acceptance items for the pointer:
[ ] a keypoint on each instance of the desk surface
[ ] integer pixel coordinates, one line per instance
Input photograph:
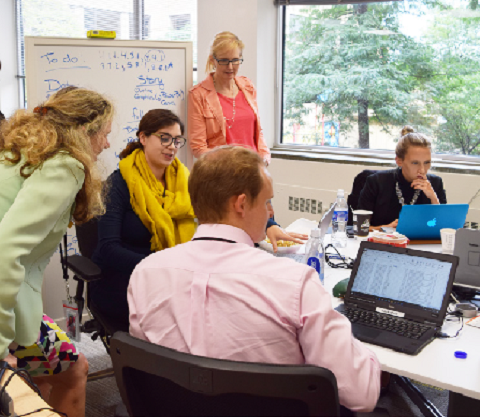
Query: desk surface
(25, 400)
(435, 364)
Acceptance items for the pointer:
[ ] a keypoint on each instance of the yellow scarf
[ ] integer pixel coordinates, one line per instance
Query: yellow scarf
(171, 224)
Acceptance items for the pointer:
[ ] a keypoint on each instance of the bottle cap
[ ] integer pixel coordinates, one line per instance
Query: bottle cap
(340, 193)
(315, 232)
(460, 355)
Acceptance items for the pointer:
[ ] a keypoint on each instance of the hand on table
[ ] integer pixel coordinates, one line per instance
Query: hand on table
(392, 224)
(275, 233)
(422, 183)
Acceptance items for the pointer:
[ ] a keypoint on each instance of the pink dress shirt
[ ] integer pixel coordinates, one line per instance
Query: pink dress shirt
(233, 301)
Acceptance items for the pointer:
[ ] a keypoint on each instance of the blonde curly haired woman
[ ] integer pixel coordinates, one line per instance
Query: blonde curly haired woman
(47, 178)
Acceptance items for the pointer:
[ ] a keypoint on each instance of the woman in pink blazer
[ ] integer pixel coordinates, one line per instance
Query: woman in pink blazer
(222, 109)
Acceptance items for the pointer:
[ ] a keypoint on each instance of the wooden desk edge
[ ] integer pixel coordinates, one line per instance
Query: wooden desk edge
(25, 400)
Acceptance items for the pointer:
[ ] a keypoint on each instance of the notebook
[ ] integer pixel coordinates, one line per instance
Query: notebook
(398, 297)
(424, 221)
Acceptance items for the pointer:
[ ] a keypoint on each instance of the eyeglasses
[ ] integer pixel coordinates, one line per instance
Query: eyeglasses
(167, 139)
(226, 62)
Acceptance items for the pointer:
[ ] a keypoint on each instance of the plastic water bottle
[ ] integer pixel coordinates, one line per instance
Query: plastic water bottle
(314, 253)
(339, 221)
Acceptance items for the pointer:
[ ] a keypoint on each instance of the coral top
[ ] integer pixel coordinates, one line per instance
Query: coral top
(206, 125)
(240, 130)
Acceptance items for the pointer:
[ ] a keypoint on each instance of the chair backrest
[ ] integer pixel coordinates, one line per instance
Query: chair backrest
(87, 237)
(154, 380)
(358, 184)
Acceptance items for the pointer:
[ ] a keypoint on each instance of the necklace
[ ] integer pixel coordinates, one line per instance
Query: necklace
(233, 112)
(401, 200)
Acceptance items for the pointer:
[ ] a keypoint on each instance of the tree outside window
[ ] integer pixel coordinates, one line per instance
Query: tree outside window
(368, 69)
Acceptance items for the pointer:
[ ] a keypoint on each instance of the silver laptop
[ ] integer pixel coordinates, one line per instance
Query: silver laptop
(324, 224)
(467, 248)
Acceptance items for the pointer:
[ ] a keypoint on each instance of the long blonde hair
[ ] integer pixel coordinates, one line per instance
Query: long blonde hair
(65, 122)
(223, 41)
(408, 137)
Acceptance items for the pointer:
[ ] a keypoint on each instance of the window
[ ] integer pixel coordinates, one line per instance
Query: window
(355, 74)
(158, 20)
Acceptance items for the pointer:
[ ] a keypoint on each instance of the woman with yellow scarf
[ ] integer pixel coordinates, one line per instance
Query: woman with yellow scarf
(148, 209)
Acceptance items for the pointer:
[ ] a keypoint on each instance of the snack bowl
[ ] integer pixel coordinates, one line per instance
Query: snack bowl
(392, 239)
(281, 249)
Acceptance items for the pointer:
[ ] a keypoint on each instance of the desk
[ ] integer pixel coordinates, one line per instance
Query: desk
(25, 400)
(435, 364)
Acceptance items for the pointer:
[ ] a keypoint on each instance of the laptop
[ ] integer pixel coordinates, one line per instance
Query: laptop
(324, 224)
(424, 221)
(398, 297)
(467, 248)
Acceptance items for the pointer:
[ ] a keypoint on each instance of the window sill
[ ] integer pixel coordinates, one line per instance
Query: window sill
(349, 156)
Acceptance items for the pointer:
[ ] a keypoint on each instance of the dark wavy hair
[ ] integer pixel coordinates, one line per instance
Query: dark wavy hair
(151, 122)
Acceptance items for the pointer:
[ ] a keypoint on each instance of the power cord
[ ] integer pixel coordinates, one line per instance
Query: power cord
(23, 373)
(346, 263)
(455, 314)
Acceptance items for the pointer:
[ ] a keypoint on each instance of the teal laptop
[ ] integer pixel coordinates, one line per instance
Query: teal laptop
(424, 221)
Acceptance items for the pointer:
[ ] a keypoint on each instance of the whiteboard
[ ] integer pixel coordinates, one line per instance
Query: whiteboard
(136, 76)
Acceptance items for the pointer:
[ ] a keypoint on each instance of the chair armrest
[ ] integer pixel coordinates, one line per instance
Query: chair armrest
(84, 268)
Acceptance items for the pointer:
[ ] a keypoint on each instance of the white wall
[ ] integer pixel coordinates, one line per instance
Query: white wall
(238, 17)
(267, 66)
(254, 22)
(8, 56)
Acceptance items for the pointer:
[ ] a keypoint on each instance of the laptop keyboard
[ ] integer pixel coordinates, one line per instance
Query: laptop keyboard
(385, 322)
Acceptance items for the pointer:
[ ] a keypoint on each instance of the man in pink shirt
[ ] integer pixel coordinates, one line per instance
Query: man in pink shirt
(219, 296)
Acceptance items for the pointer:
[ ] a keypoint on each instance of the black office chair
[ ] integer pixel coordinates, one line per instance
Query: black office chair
(154, 380)
(86, 272)
(353, 197)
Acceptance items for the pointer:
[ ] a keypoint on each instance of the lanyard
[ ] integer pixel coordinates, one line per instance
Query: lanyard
(218, 239)
(63, 261)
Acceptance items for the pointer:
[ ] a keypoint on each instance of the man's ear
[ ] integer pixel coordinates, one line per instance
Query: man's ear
(399, 161)
(239, 204)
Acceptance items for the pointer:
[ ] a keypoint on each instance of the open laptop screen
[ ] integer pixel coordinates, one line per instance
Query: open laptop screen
(402, 278)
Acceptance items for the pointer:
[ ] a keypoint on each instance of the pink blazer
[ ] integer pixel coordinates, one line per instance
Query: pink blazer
(206, 125)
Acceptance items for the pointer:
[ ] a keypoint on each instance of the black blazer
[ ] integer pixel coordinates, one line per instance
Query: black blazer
(123, 242)
(378, 195)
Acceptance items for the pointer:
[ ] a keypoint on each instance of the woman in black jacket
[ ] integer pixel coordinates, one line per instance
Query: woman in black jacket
(386, 192)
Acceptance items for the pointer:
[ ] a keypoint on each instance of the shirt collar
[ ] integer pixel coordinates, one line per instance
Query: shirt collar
(223, 231)
(208, 82)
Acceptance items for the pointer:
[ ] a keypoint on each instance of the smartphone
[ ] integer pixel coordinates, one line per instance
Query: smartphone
(349, 231)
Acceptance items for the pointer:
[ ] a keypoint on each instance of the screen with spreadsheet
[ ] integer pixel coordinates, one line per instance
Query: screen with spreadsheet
(402, 278)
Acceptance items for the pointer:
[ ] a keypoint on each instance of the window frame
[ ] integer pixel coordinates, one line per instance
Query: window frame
(452, 160)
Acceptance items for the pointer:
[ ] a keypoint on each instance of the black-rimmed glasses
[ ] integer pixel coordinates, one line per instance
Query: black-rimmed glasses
(226, 62)
(166, 140)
